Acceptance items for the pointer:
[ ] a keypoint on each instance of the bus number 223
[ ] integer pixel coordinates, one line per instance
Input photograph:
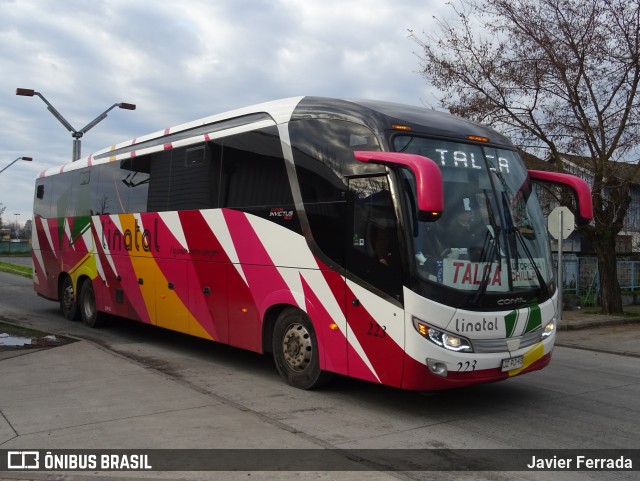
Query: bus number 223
(467, 366)
(376, 330)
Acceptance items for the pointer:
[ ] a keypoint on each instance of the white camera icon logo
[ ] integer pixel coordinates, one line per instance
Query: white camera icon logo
(23, 460)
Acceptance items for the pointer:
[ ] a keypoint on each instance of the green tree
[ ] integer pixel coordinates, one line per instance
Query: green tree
(555, 75)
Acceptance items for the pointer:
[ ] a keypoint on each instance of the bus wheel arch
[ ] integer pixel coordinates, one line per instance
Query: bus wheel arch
(68, 298)
(87, 303)
(296, 350)
(269, 321)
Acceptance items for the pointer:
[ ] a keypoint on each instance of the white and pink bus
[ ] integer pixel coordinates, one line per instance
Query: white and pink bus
(385, 242)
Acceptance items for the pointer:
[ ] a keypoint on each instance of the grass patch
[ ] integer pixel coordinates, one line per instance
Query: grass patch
(20, 330)
(21, 270)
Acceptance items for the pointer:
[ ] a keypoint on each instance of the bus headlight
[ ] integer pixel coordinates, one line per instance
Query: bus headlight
(549, 328)
(442, 338)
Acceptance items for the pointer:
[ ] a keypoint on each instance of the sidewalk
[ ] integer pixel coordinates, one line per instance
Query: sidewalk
(611, 334)
(584, 318)
(79, 396)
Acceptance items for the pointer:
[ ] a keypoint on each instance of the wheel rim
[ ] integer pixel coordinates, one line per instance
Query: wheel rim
(67, 297)
(297, 347)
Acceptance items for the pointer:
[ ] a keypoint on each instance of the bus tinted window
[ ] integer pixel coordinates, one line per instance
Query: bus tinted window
(253, 170)
(374, 253)
(60, 193)
(191, 179)
(137, 182)
(121, 187)
(42, 201)
(323, 153)
(180, 179)
(160, 181)
(80, 199)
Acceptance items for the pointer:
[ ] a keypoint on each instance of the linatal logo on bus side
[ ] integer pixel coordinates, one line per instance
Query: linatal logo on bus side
(138, 240)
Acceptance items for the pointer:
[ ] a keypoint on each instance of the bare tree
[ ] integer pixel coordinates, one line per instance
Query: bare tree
(557, 75)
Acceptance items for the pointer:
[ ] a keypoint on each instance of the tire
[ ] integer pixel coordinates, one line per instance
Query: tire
(295, 350)
(88, 311)
(68, 303)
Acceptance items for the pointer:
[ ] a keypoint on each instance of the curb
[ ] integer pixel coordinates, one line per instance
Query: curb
(577, 325)
(582, 347)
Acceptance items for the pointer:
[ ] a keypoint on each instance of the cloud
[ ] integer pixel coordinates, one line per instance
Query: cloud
(179, 61)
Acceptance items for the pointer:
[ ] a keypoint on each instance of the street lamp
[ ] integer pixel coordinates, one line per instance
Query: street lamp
(16, 224)
(76, 134)
(19, 158)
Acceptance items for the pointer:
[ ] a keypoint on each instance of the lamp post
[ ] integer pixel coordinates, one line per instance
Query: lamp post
(16, 224)
(76, 134)
(29, 159)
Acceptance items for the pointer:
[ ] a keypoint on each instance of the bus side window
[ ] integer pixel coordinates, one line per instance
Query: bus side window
(80, 201)
(159, 181)
(42, 202)
(191, 185)
(253, 170)
(60, 194)
(374, 253)
(120, 187)
(322, 149)
(137, 182)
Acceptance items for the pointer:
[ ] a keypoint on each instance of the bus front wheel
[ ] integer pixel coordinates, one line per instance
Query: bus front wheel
(90, 315)
(295, 350)
(68, 304)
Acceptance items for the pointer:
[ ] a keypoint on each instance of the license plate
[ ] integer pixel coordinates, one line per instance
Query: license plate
(512, 363)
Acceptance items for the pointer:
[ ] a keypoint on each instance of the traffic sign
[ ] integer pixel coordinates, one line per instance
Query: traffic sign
(568, 222)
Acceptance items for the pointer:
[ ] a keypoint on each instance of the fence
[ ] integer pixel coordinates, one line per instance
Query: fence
(15, 248)
(581, 283)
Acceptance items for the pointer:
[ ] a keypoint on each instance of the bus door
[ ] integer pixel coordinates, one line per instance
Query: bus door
(374, 283)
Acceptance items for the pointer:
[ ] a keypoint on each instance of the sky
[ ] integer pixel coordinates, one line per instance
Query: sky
(181, 61)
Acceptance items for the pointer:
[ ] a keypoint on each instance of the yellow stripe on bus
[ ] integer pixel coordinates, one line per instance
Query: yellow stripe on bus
(532, 355)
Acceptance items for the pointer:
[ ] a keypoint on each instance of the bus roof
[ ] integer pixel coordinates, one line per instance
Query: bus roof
(378, 115)
(434, 122)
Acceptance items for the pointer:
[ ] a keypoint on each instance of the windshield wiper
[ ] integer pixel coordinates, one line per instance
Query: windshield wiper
(491, 246)
(493, 250)
(514, 232)
(518, 235)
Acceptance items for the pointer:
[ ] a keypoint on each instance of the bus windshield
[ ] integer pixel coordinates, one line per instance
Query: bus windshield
(491, 238)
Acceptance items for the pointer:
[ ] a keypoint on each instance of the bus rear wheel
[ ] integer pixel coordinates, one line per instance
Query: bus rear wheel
(68, 304)
(88, 311)
(295, 350)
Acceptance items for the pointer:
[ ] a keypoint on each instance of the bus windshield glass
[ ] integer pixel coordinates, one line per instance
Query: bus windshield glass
(491, 237)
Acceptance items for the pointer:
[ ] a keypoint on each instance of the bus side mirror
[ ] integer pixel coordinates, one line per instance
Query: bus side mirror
(579, 187)
(429, 190)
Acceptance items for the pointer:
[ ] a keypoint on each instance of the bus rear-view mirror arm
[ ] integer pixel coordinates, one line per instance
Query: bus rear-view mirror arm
(576, 184)
(428, 177)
